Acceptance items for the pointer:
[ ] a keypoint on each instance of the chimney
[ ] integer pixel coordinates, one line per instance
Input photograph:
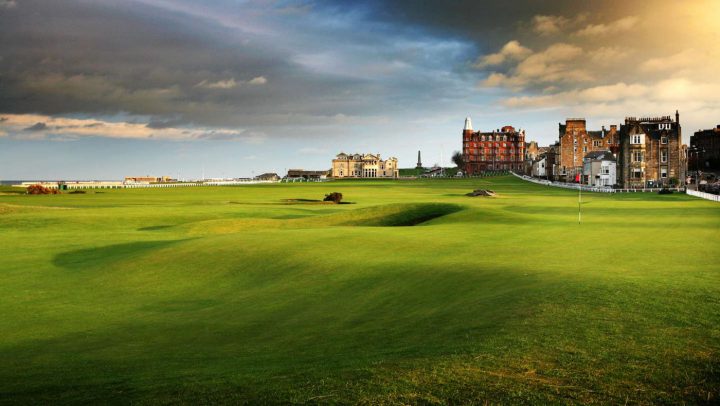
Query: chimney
(677, 116)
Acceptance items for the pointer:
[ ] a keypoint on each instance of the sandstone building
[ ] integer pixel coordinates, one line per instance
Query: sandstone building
(576, 141)
(502, 149)
(364, 166)
(650, 152)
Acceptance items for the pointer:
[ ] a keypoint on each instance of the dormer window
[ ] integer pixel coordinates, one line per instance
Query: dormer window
(663, 140)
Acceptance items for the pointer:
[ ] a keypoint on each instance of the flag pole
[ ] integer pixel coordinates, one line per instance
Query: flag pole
(579, 203)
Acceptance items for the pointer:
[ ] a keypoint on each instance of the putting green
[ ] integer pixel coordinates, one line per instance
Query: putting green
(415, 293)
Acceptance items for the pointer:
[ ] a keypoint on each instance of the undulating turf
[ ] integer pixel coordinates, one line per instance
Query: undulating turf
(413, 294)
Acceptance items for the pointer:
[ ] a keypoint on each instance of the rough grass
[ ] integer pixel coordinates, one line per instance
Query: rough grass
(416, 294)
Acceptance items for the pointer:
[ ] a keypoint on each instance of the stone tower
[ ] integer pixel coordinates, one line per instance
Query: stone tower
(419, 162)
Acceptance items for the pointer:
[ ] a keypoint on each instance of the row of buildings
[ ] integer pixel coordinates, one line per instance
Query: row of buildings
(642, 152)
(352, 166)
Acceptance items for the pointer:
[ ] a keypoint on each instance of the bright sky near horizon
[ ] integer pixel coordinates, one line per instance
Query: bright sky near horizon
(102, 89)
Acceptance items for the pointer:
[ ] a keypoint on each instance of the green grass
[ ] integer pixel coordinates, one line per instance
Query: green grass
(414, 294)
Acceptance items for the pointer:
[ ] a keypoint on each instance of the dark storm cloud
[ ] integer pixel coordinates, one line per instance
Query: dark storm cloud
(103, 58)
(36, 127)
(182, 63)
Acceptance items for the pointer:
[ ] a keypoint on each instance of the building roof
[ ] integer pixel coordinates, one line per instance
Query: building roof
(600, 156)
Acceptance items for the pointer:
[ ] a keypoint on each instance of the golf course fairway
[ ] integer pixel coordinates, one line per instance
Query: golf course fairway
(412, 294)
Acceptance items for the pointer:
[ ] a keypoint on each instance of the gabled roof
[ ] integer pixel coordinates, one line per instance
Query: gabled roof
(600, 156)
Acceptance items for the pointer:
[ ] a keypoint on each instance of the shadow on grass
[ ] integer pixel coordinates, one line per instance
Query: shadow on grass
(398, 215)
(92, 257)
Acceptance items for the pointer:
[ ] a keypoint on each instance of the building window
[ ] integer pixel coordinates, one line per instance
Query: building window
(663, 173)
(637, 174)
(663, 140)
(663, 156)
(637, 156)
(597, 143)
(636, 139)
(584, 149)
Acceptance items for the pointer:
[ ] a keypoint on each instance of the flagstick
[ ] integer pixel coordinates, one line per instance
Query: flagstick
(579, 203)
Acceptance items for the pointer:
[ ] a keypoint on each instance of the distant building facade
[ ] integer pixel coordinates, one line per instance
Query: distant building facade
(503, 149)
(148, 179)
(307, 175)
(364, 166)
(271, 176)
(576, 141)
(650, 152)
(539, 167)
(706, 149)
(532, 153)
(599, 169)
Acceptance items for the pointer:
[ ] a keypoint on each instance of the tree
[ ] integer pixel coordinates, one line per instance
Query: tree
(458, 160)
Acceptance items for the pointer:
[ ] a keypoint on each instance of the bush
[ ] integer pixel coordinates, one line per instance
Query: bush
(333, 197)
(41, 190)
(665, 191)
(77, 192)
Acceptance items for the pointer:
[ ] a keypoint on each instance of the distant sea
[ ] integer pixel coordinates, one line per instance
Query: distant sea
(17, 182)
(12, 182)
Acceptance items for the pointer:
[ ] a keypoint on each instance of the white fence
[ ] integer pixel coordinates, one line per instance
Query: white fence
(703, 195)
(585, 188)
(573, 186)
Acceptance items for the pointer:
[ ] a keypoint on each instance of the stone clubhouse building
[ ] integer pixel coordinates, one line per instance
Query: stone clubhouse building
(364, 166)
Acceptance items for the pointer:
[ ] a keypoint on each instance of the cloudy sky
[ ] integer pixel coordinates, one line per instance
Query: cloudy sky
(100, 89)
